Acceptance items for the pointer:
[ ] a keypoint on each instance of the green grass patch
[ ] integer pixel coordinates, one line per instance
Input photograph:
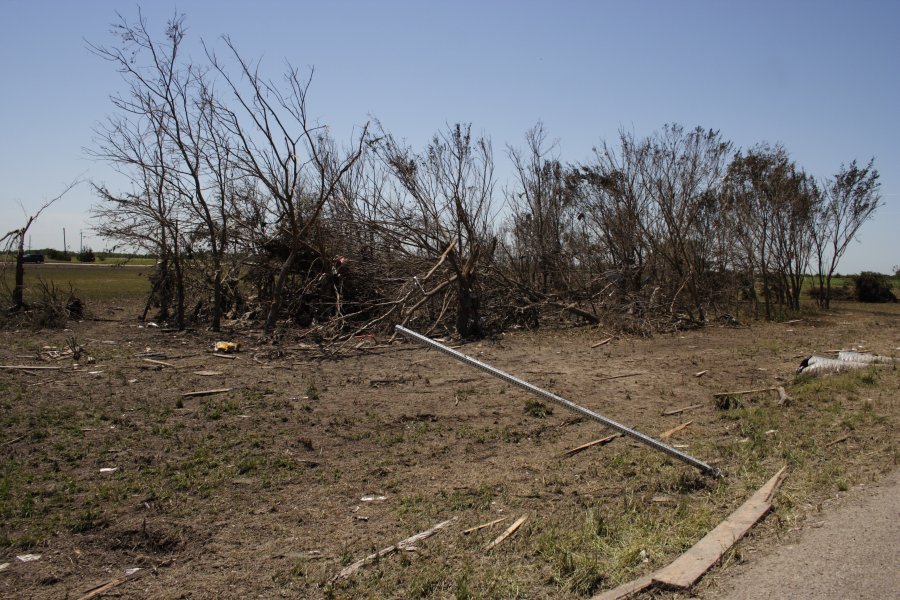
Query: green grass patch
(91, 283)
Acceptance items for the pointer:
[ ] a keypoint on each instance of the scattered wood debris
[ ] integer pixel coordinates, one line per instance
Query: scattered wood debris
(600, 442)
(676, 411)
(484, 525)
(401, 545)
(509, 531)
(206, 392)
(674, 430)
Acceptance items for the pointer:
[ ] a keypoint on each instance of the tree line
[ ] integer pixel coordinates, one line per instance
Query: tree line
(256, 212)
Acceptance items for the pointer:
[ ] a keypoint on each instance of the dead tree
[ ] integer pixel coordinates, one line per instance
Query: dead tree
(15, 240)
(443, 210)
(277, 145)
(851, 197)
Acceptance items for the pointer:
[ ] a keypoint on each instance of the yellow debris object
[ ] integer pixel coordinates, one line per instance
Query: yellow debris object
(227, 346)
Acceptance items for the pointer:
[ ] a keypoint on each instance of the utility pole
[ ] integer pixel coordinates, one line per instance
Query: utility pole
(65, 252)
(81, 243)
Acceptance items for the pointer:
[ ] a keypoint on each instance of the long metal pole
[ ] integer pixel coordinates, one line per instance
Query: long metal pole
(645, 439)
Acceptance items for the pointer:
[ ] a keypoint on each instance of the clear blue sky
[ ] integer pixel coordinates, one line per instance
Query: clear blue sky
(821, 77)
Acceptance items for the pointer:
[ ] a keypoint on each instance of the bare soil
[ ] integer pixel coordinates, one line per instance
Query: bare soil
(310, 463)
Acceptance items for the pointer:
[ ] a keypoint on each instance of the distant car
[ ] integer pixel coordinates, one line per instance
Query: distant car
(33, 258)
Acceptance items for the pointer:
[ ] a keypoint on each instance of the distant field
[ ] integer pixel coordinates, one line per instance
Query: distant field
(6, 257)
(91, 282)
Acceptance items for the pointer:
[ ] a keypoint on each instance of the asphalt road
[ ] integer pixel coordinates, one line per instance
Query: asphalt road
(852, 552)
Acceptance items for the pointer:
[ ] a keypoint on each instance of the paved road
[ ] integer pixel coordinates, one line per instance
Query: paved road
(854, 554)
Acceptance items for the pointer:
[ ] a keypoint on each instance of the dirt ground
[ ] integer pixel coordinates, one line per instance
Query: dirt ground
(309, 463)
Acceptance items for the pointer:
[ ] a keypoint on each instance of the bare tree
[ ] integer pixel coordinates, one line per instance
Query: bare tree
(850, 199)
(170, 108)
(541, 207)
(446, 209)
(292, 159)
(15, 240)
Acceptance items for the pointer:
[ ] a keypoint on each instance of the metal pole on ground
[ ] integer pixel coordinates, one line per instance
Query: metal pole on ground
(644, 439)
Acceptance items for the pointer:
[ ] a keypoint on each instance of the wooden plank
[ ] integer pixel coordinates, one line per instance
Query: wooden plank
(690, 566)
(626, 589)
(674, 430)
(600, 442)
(351, 569)
(206, 392)
(509, 531)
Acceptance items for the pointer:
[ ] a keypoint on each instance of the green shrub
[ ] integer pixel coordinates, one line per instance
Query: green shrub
(873, 287)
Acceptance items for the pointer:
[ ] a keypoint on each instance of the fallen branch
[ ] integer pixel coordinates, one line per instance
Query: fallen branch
(509, 531)
(674, 430)
(701, 373)
(26, 367)
(483, 525)
(621, 376)
(228, 356)
(600, 442)
(206, 392)
(677, 411)
(602, 343)
(401, 545)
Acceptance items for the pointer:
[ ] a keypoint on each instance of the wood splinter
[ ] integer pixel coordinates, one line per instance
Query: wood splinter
(401, 545)
(205, 392)
(600, 442)
(676, 411)
(674, 430)
(484, 525)
(509, 531)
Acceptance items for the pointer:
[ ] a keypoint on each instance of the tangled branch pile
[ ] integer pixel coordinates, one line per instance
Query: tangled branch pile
(256, 213)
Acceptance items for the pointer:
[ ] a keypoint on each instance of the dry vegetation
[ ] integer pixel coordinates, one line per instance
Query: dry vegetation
(259, 491)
